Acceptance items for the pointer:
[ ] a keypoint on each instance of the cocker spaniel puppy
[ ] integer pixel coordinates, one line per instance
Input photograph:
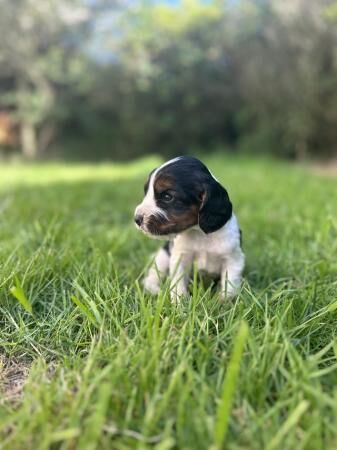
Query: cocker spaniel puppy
(187, 206)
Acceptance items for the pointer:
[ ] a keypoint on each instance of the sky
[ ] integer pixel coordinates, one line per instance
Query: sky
(105, 26)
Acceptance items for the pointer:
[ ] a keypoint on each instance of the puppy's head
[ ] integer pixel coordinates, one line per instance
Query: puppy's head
(180, 194)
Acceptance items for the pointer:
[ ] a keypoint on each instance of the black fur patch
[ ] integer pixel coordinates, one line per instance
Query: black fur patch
(197, 196)
(146, 185)
(188, 195)
(167, 247)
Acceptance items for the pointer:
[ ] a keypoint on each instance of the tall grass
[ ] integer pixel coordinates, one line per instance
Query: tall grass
(112, 367)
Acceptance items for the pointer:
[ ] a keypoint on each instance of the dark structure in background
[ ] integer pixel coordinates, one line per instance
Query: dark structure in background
(101, 80)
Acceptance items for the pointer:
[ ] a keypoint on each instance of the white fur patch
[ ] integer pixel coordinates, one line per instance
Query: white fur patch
(157, 271)
(217, 253)
(148, 206)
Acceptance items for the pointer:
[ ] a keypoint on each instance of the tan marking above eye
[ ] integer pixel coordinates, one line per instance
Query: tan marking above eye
(162, 184)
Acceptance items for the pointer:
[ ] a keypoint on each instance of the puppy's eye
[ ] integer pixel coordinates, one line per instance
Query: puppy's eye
(167, 197)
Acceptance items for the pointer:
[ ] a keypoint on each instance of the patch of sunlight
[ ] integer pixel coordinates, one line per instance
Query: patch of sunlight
(45, 173)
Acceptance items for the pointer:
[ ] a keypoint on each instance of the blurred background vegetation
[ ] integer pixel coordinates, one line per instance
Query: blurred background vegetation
(114, 79)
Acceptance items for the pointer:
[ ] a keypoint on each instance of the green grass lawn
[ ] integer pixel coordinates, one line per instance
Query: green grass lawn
(108, 367)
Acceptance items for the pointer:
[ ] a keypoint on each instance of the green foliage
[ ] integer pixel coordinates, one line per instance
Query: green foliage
(133, 371)
(41, 64)
(213, 73)
(229, 386)
(170, 77)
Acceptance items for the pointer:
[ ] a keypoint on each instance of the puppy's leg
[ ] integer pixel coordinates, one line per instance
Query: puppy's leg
(157, 271)
(231, 274)
(180, 267)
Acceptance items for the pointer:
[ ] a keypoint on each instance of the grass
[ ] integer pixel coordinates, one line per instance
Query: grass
(108, 367)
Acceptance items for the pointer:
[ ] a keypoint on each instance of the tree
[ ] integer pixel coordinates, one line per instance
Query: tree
(127, 78)
(40, 55)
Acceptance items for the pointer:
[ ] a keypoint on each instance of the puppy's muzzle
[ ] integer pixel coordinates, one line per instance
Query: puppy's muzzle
(139, 219)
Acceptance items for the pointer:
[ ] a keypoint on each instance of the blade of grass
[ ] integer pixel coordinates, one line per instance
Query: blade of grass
(228, 389)
(95, 422)
(288, 424)
(18, 292)
(85, 310)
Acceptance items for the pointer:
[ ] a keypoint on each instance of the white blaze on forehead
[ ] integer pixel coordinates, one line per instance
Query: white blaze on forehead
(148, 206)
(167, 163)
(215, 178)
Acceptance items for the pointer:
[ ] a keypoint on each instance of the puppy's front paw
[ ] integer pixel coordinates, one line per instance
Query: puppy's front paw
(151, 285)
(177, 292)
(229, 293)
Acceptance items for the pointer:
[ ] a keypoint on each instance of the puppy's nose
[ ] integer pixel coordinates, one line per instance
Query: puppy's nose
(139, 219)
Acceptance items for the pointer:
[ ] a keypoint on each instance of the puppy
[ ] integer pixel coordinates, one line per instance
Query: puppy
(187, 206)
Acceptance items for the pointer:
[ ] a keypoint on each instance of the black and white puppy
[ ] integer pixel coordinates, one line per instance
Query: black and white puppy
(186, 205)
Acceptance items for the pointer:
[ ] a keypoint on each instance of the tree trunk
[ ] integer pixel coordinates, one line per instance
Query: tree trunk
(46, 136)
(28, 140)
(301, 149)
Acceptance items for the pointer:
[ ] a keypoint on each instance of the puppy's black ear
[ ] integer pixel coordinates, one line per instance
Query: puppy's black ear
(216, 208)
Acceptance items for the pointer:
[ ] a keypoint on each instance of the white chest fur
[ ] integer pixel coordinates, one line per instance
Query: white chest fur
(209, 251)
(217, 253)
